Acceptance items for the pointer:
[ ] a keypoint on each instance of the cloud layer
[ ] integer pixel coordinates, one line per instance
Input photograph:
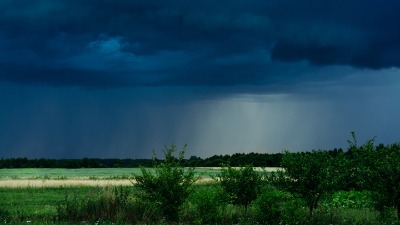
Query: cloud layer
(155, 43)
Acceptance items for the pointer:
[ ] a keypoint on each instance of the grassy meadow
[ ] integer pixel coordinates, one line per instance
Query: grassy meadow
(37, 204)
(93, 177)
(114, 203)
(207, 205)
(30, 195)
(84, 173)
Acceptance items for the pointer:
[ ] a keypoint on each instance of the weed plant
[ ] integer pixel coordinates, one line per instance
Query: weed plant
(111, 204)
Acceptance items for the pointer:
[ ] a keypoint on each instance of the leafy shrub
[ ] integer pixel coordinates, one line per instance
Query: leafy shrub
(386, 178)
(269, 205)
(170, 186)
(378, 170)
(207, 201)
(242, 185)
(293, 209)
(309, 175)
(352, 199)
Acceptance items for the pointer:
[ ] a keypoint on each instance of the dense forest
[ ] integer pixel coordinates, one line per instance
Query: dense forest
(237, 159)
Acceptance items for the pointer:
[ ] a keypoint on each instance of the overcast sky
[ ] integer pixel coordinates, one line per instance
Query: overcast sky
(119, 78)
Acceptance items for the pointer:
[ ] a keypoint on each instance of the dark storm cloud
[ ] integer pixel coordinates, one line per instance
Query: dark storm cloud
(133, 43)
(358, 33)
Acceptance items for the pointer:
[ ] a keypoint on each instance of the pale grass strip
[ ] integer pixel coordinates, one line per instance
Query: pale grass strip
(9, 183)
(21, 183)
(267, 169)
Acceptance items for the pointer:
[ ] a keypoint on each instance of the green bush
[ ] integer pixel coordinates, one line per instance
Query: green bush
(309, 175)
(207, 201)
(294, 210)
(242, 185)
(269, 205)
(378, 170)
(170, 186)
(351, 199)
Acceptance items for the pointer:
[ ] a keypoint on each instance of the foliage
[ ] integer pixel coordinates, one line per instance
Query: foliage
(358, 165)
(237, 159)
(307, 174)
(377, 169)
(72, 163)
(269, 205)
(171, 184)
(352, 199)
(242, 159)
(242, 184)
(386, 178)
(207, 199)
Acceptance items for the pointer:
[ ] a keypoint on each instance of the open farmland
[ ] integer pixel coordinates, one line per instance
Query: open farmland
(60, 173)
(43, 177)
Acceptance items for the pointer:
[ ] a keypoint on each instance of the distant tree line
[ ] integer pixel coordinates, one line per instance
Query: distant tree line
(238, 159)
(73, 163)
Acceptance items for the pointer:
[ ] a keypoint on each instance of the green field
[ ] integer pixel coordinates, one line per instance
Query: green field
(88, 173)
(95, 177)
(39, 205)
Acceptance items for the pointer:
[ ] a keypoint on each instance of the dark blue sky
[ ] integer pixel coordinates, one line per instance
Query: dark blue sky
(119, 78)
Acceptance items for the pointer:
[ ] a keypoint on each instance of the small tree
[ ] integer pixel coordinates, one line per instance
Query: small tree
(307, 174)
(379, 170)
(242, 185)
(358, 165)
(386, 178)
(171, 184)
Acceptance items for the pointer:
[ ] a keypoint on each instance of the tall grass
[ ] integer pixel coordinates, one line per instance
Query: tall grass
(111, 204)
(208, 204)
